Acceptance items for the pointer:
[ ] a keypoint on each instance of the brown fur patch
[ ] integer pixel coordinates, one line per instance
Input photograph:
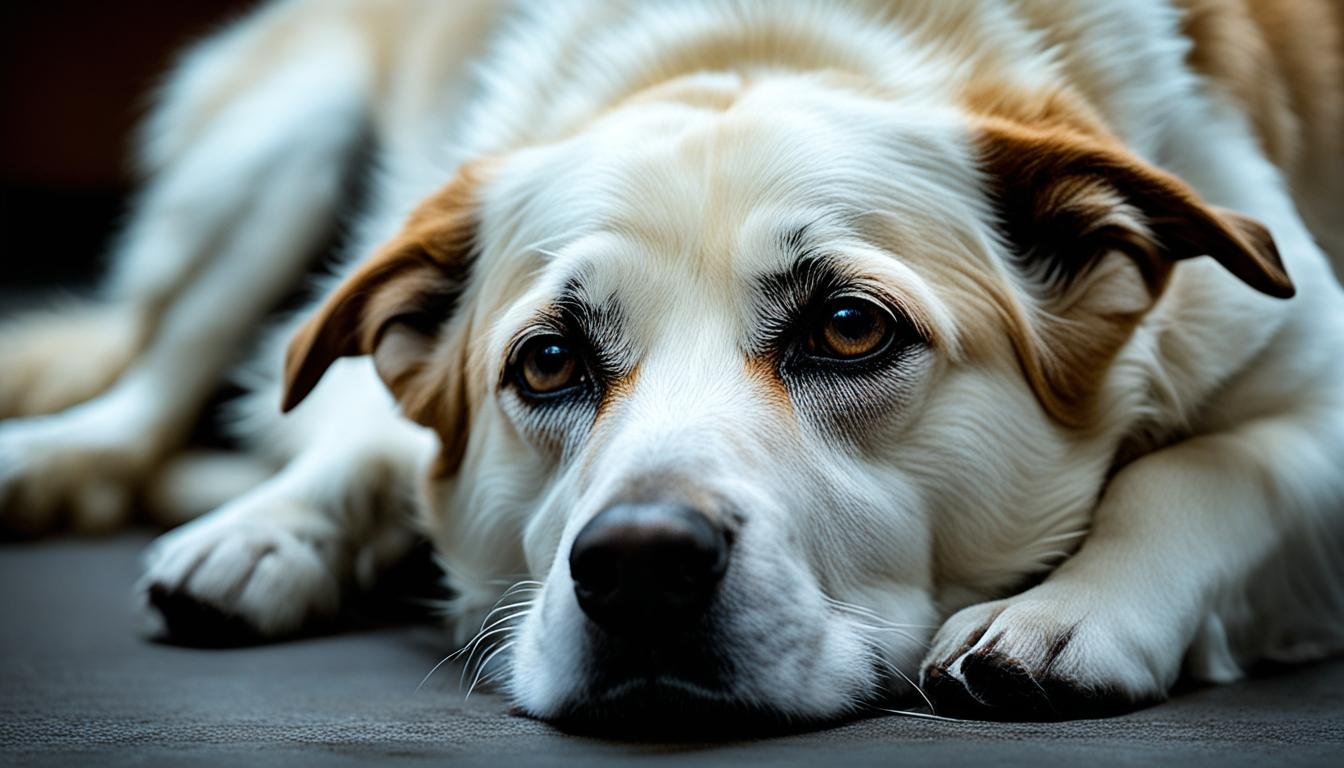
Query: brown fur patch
(616, 390)
(414, 279)
(764, 370)
(1044, 108)
(1101, 231)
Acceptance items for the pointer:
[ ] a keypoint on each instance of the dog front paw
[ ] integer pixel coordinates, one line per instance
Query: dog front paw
(67, 471)
(230, 579)
(1043, 655)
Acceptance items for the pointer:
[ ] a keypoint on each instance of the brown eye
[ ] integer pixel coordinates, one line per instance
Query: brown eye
(548, 364)
(850, 329)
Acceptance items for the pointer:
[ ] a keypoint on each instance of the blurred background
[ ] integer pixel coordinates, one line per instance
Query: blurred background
(75, 78)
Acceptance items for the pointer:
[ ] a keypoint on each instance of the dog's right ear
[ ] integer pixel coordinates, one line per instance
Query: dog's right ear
(395, 304)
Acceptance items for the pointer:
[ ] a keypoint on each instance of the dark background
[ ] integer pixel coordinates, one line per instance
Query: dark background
(76, 76)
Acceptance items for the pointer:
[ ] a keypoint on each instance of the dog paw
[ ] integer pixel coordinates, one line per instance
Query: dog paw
(228, 581)
(67, 471)
(1039, 656)
(56, 358)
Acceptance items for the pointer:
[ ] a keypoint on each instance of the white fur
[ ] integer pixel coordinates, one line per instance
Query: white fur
(222, 232)
(1214, 551)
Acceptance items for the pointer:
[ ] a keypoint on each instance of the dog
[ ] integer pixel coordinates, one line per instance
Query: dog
(741, 358)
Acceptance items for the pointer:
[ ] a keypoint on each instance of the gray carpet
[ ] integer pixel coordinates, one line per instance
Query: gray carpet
(79, 685)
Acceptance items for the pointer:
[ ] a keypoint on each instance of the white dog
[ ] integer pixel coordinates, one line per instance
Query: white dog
(777, 353)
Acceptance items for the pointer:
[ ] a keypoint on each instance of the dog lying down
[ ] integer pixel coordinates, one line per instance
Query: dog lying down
(743, 357)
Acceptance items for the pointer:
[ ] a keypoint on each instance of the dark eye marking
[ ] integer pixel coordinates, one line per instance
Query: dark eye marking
(571, 352)
(817, 314)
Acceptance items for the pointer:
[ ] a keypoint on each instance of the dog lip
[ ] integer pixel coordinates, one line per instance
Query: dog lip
(653, 685)
(667, 707)
(629, 676)
(670, 708)
(692, 658)
(641, 700)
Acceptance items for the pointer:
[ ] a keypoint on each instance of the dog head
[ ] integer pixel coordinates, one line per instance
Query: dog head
(755, 382)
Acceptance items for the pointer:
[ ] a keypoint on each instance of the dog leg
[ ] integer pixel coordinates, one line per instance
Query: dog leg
(1177, 534)
(57, 358)
(225, 230)
(1191, 546)
(279, 558)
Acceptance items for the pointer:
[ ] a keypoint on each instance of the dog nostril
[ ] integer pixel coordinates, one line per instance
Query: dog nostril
(596, 572)
(644, 566)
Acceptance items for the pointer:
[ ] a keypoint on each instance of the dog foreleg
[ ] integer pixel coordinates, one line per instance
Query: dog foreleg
(279, 558)
(225, 231)
(1178, 535)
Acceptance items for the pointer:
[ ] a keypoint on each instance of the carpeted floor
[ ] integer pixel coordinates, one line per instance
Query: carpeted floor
(80, 686)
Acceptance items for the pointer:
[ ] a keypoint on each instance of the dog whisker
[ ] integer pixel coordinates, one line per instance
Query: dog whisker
(468, 667)
(919, 715)
(524, 604)
(495, 631)
(523, 607)
(489, 628)
(508, 617)
(455, 654)
(479, 640)
(870, 614)
(493, 677)
(486, 624)
(517, 587)
(425, 679)
(872, 622)
(483, 664)
(895, 631)
(893, 668)
(480, 635)
(878, 655)
(880, 659)
(517, 583)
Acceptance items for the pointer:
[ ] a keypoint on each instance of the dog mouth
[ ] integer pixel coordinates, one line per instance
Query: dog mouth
(682, 688)
(667, 636)
(668, 707)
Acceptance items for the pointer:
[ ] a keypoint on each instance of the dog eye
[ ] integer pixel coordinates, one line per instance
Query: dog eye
(547, 365)
(850, 329)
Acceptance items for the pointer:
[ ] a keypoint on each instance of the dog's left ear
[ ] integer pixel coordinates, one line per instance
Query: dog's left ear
(395, 307)
(1096, 233)
(1070, 199)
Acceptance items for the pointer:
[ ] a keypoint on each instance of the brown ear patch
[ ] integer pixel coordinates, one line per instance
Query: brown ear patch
(1040, 177)
(1096, 233)
(414, 280)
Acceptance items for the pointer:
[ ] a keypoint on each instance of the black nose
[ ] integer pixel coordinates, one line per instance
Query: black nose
(641, 567)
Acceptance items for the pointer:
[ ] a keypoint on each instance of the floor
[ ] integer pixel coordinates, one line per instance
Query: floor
(81, 685)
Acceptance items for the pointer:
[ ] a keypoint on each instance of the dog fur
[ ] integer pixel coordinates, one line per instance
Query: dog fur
(1099, 458)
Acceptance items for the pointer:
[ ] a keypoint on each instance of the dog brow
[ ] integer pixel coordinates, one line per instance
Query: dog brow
(601, 324)
(782, 295)
(812, 271)
(573, 305)
(809, 269)
(794, 240)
